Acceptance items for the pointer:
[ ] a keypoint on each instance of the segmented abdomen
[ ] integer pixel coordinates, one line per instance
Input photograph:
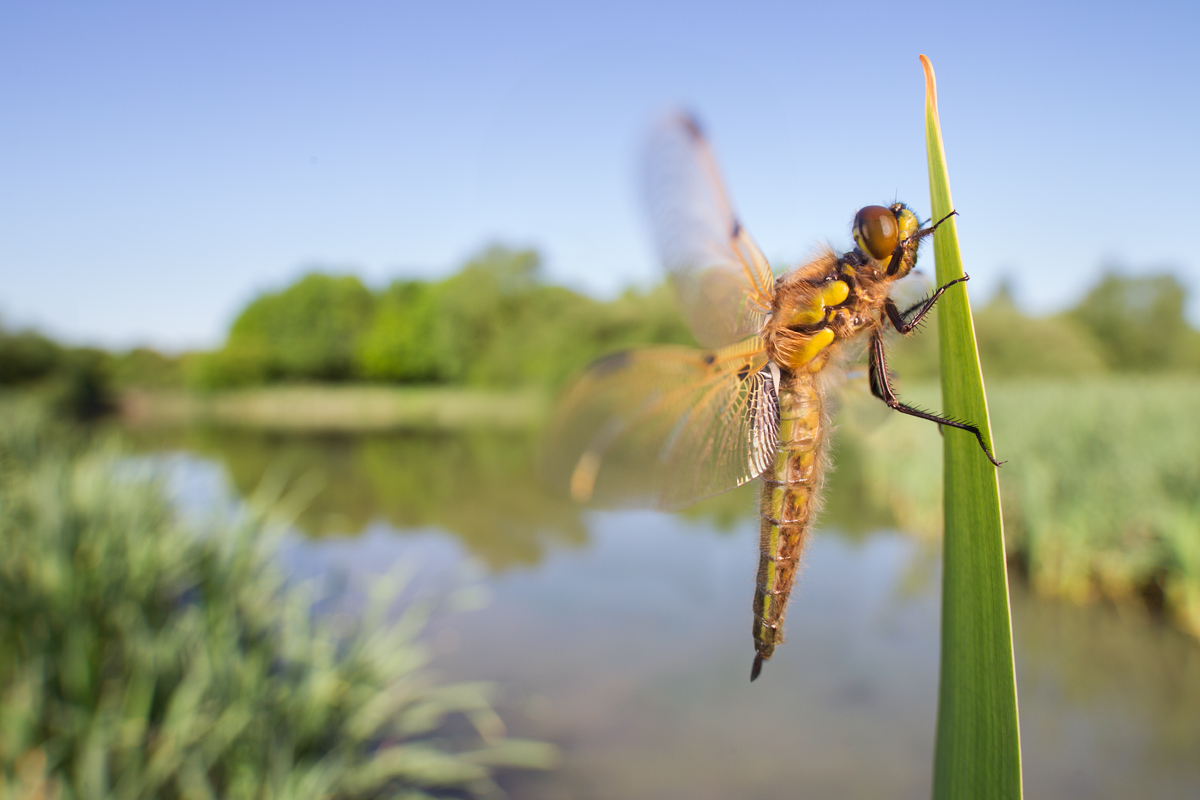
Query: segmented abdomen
(791, 491)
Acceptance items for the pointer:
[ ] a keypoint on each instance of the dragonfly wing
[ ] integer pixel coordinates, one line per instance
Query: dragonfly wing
(663, 427)
(723, 281)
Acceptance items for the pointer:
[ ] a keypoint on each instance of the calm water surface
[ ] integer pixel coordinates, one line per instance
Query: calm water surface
(624, 637)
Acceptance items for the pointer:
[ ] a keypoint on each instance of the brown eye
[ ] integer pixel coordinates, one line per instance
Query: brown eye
(875, 231)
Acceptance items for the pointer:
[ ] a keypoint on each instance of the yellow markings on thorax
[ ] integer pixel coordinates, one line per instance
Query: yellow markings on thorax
(835, 293)
(809, 347)
(813, 313)
(802, 348)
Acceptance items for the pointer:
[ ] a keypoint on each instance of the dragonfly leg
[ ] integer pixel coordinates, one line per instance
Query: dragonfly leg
(905, 321)
(881, 387)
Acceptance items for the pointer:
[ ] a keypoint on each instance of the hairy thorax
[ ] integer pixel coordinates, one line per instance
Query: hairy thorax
(822, 304)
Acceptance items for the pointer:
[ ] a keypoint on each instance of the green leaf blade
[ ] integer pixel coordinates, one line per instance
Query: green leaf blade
(977, 752)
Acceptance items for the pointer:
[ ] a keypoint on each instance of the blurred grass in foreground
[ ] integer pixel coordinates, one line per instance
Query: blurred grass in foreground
(140, 657)
(1101, 489)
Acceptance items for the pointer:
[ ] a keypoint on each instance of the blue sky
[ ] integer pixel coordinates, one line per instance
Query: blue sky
(162, 162)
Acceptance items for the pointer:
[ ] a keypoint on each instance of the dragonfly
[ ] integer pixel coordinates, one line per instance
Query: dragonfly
(665, 426)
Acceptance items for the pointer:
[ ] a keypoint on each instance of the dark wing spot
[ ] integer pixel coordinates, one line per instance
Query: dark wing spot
(614, 362)
(693, 126)
(709, 358)
(737, 229)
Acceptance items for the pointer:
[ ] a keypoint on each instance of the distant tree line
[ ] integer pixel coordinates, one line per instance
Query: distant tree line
(497, 323)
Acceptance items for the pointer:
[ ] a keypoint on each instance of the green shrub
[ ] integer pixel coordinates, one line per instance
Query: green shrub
(399, 345)
(142, 657)
(237, 364)
(496, 324)
(26, 356)
(308, 331)
(1139, 323)
(146, 368)
(1014, 344)
(81, 388)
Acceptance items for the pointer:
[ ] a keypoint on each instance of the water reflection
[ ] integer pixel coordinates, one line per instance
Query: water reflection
(1112, 683)
(625, 637)
(480, 488)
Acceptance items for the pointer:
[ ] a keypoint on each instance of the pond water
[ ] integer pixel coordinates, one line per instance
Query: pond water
(624, 637)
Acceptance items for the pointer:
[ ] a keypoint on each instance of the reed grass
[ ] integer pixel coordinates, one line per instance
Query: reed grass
(141, 656)
(977, 753)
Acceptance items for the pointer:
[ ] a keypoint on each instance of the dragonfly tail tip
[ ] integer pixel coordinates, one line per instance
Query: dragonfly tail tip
(757, 668)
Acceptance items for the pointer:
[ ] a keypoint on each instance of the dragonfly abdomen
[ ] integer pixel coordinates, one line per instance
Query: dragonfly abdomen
(791, 492)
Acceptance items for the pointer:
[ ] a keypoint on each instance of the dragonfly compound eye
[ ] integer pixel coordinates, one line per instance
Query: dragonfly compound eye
(875, 231)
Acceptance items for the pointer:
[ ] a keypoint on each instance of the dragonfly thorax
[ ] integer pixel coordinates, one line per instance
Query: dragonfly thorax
(834, 298)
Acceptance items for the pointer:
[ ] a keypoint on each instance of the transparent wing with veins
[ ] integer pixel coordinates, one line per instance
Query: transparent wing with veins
(663, 427)
(723, 282)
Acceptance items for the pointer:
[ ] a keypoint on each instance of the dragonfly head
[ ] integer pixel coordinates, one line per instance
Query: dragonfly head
(878, 229)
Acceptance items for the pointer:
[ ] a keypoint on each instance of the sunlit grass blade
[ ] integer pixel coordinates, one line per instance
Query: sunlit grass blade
(978, 750)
